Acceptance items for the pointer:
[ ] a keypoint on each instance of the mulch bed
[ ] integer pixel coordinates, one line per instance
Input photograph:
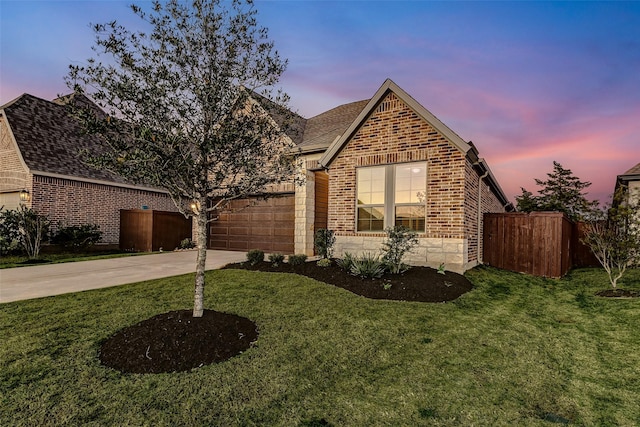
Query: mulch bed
(618, 293)
(177, 341)
(422, 284)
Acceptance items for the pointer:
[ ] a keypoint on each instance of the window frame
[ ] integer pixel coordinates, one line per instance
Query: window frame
(372, 205)
(390, 204)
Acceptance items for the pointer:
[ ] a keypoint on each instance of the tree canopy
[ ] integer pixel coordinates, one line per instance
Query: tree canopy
(562, 192)
(187, 101)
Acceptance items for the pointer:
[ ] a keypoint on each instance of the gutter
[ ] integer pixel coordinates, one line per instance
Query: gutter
(479, 224)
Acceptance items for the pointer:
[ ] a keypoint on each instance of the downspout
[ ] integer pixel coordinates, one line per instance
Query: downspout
(479, 231)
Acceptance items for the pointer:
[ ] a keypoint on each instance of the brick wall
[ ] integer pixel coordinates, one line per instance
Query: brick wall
(75, 203)
(13, 175)
(394, 133)
(489, 203)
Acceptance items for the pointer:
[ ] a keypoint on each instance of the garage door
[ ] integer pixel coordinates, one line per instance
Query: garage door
(256, 224)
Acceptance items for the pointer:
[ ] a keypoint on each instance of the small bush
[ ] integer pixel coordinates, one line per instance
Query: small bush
(77, 237)
(324, 262)
(23, 227)
(399, 241)
(187, 244)
(323, 242)
(255, 256)
(297, 259)
(276, 259)
(345, 262)
(9, 232)
(368, 266)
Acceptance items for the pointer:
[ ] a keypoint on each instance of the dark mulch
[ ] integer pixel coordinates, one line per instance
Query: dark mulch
(418, 284)
(177, 341)
(618, 293)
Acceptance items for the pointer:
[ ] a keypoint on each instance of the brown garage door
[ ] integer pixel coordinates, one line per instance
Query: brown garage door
(256, 224)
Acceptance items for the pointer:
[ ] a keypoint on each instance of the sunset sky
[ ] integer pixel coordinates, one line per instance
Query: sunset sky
(527, 82)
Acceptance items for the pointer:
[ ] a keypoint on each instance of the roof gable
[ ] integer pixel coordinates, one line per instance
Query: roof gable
(389, 86)
(633, 172)
(51, 141)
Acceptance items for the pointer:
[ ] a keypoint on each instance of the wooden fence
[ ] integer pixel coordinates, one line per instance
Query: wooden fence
(539, 243)
(149, 230)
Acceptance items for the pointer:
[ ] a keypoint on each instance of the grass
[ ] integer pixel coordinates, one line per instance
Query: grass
(516, 350)
(10, 261)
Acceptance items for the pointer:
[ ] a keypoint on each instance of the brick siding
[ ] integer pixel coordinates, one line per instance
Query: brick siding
(75, 203)
(394, 133)
(13, 175)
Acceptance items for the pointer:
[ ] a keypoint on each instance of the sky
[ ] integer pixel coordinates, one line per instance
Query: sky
(528, 82)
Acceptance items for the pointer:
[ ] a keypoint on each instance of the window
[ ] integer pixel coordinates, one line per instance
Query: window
(410, 191)
(371, 194)
(391, 195)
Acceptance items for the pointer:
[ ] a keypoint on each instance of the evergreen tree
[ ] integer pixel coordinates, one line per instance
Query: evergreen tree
(562, 192)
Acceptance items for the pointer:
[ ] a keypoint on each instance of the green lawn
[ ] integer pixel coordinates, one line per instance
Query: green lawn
(10, 261)
(511, 352)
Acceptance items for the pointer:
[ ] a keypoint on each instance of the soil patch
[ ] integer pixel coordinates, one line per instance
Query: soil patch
(177, 341)
(618, 293)
(417, 284)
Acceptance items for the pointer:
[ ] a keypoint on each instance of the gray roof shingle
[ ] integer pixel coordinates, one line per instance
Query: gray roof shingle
(633, 171)
(51, 141)
(321, 130)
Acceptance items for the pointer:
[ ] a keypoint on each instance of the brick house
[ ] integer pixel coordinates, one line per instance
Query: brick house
(631, 180)
(397, 164)
(39, 153)
(370, 165)
(367, 165)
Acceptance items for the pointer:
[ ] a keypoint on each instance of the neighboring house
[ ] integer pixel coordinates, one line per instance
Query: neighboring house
(631, 180)
(370, 165)
(40, 146)
(367, 165)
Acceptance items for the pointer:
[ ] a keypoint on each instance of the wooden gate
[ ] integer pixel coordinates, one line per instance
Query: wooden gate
(149, 230)
(538, 243)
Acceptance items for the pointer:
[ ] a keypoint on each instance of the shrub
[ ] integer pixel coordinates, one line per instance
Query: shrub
(77, 237)
(9, 232)
(297, 259)
(323, 242)
(255, 256)
(324, 262)
(187, 243)
(345, 262)
(613, 235)
(399, 241)
(26, 228)
(276, 259)
(367, 266)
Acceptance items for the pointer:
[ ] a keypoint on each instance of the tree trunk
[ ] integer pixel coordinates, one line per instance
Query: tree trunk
(201, 224)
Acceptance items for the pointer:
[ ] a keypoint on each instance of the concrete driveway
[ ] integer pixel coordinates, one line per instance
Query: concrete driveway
(45, 280)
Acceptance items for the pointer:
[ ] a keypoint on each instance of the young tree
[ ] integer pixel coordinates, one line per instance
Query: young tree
(23, 227)
(614, 236)
(562, 192)
(183, 109)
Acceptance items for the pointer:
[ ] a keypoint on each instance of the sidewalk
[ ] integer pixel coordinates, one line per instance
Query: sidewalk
(45, 280)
